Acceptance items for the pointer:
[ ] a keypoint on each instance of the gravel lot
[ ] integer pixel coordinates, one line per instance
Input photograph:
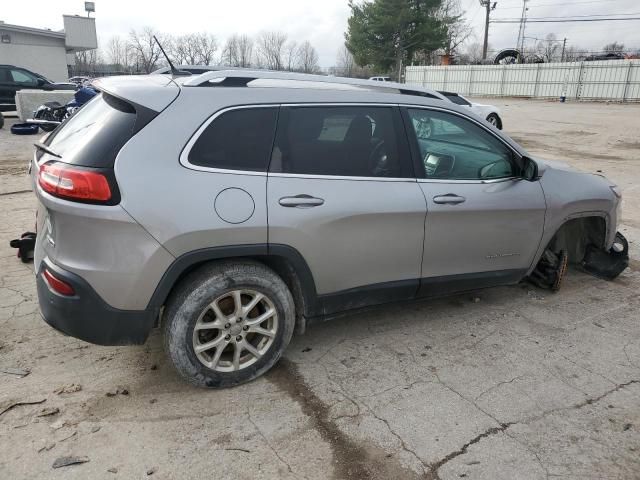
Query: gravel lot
(507, 383)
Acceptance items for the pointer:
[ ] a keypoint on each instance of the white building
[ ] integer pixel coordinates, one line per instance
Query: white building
(47, 52)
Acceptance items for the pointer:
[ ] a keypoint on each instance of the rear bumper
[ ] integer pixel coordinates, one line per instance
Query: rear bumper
(87, 316)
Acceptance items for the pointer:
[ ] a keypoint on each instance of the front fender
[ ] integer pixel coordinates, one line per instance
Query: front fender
(570, 195)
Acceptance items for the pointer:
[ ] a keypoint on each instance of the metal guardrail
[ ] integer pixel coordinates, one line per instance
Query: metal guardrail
(617, 80)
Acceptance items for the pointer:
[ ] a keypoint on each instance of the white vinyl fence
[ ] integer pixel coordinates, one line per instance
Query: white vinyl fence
(617, 80)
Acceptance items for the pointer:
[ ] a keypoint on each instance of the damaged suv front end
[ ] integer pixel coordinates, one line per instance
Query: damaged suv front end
(583, 211)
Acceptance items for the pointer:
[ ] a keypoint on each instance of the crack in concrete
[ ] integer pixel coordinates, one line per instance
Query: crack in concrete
(626, 354)
(352, 460)
(266, 440)
(403, 444)
(497, 385)
(432, 474)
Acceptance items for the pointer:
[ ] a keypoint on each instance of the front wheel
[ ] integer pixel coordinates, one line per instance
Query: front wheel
(494, 120)
(228, 323)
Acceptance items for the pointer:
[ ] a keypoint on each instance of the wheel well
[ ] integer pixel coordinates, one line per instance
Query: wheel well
(575, 235)
(282, 266)
(498, 118)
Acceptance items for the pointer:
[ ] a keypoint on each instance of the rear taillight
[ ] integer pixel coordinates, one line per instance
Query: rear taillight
(74, 183)
(57, 285)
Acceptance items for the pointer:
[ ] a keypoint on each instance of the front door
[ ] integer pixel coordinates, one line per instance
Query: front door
(7, 90)
(342, 192)
(484, 223)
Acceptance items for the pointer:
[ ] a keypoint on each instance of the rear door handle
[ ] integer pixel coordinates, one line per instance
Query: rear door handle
(301, 201)
(449, 199)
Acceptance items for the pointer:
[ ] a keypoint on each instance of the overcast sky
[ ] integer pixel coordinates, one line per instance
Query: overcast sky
(323, 22)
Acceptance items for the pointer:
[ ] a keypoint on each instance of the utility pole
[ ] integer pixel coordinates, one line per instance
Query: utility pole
(564, 46)
(523, 25)
(489, 7)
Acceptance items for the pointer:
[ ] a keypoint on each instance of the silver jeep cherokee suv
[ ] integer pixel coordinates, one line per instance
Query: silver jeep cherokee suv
(233, 207)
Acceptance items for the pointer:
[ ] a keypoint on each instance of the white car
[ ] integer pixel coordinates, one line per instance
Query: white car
(380, 79)
(490, 113)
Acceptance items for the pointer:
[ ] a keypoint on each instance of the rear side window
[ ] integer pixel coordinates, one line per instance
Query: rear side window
(356, 141)
(237, 140)
(94, 135)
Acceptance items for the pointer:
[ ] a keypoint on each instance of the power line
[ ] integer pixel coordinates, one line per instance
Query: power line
(567, 20)
(559, 4)
(579, 16)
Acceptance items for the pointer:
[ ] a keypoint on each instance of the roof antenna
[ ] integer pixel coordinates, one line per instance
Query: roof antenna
(174, 70)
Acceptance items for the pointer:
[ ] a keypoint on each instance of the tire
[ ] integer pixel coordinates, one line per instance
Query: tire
(230, 328)
(495, 120)
(1, 120)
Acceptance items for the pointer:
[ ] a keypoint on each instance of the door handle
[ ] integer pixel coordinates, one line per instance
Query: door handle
(301, 201)
(449, 199)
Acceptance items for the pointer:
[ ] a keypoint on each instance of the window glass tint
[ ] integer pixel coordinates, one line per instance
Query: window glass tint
(452, 147)
(237, 140)
(23, 78)
(342, 141)
(94, 135)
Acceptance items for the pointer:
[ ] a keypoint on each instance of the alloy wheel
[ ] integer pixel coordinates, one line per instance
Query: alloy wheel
(235, 330)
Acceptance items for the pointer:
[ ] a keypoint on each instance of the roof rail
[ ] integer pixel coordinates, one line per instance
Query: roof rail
(243, 77)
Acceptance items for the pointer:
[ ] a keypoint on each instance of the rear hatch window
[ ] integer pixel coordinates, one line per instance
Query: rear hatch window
(94, 135)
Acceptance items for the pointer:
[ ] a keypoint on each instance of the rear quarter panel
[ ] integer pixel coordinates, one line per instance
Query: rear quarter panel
(173, 203)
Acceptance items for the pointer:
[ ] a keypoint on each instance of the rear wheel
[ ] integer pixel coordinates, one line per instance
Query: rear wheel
(228, 323)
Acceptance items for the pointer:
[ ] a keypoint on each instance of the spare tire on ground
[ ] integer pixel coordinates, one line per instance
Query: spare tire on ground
(24, 129)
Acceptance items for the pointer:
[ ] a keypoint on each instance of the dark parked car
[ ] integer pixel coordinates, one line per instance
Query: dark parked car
(605, 56)
(14, 78)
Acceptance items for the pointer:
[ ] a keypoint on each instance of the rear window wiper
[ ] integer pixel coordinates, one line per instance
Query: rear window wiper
(45, 149)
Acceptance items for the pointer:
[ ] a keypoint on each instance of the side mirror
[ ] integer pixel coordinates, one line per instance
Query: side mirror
(529, 169)
(41, 82)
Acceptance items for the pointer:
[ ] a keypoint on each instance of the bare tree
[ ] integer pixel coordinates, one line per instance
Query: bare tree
(614, 47)
(206, 47)
(472, 54)
(291, 56)
(144, 49)
(117, 51)
(245, 51)
(194, 48)
(87, 61)
(572, 54)
(345, 62)
(549, 47)
(457, 29)
(238, 51)
(307, 58)
(270, 49)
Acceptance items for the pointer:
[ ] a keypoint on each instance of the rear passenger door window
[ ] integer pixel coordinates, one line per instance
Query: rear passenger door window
(239, 139)
(454, 148)
(346, 141)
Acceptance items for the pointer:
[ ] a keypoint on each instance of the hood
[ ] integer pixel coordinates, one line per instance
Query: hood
(560, 166)
(554, 164)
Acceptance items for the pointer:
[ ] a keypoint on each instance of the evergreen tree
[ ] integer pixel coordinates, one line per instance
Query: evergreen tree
(389, 33)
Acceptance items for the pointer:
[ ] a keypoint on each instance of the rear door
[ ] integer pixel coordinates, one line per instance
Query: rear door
(342, 192)
(484, 222)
